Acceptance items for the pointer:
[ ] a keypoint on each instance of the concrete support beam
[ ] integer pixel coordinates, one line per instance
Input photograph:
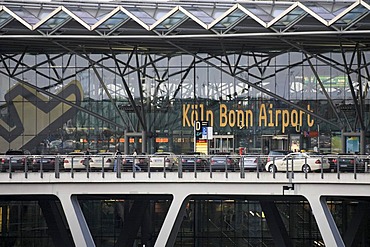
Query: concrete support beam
(276, 224)
(132, 222)
(77, 223)
(55, 222)
(328, 229)
(355, 224)
(172, 222)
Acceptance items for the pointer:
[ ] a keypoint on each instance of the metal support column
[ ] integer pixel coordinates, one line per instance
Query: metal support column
(127, 140)
(143, 141)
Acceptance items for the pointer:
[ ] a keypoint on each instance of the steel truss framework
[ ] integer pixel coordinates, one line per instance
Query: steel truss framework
(224, 34)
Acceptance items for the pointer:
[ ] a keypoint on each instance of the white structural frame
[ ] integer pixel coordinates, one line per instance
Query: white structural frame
(67, 188)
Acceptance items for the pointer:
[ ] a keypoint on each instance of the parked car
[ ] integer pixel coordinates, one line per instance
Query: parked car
(55, 145)
(346, 163)
(160, 160)
(252, 162)
(277, 154)
(76, 160)
(299, 162)
(47, 163)
(223, 161)
(79, 160)
(106, 158)
(16, 160)
(197, 160)
(141, 162)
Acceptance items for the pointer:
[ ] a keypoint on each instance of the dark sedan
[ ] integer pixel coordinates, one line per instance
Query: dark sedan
(16, 160)
(222, 162)
(194, 160)
(346, 163)
(46, 163)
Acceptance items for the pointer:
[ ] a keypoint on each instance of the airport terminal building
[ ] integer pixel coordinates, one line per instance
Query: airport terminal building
(264, 75)
(287, 75)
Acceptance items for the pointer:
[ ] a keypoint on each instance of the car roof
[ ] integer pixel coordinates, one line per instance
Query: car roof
(195, 153)
(17, 152)
(76, 153)
(280, 151)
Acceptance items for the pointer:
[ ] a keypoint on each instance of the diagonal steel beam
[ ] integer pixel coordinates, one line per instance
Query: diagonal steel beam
(261, 89)
(110, 96)
(354, 98)
(324, 90)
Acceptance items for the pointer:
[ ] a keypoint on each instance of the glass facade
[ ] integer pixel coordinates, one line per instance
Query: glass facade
(135, 220)
(64, 102)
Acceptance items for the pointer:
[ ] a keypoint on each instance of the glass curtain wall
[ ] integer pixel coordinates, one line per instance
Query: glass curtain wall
(260, 101)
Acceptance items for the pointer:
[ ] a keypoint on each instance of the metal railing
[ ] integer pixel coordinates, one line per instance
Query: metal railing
(184, 164)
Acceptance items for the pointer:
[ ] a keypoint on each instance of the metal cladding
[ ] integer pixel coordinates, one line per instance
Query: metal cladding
(169, 16)
(311, 22)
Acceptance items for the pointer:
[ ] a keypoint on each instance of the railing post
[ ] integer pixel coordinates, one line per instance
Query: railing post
(241, 162)
(322, 166)
(355, 167)
(10, 167)
(305, 170)
(87, 160)
(226, 171)
(338, 172)
(118, 171)
(133, 166)
(56, 167)
(102, 166)
(258, 169)
(25, 167)
(41, 170)
(72, 175)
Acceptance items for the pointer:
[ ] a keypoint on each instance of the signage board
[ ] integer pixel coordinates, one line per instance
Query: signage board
(201, 129)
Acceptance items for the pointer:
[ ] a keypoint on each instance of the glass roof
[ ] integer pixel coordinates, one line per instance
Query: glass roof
(114, 21)
(141, 15)
(352, 16)
(55, 21)
(230, 19)
(321, 11)
(200, 14)
(175, 19)
(4, 18)
(261, 13)
(290, 18)
(220, 17)
(25, 15)
(83, 15)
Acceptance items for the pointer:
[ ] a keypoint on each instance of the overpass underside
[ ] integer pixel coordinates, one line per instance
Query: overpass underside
(202, 211)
